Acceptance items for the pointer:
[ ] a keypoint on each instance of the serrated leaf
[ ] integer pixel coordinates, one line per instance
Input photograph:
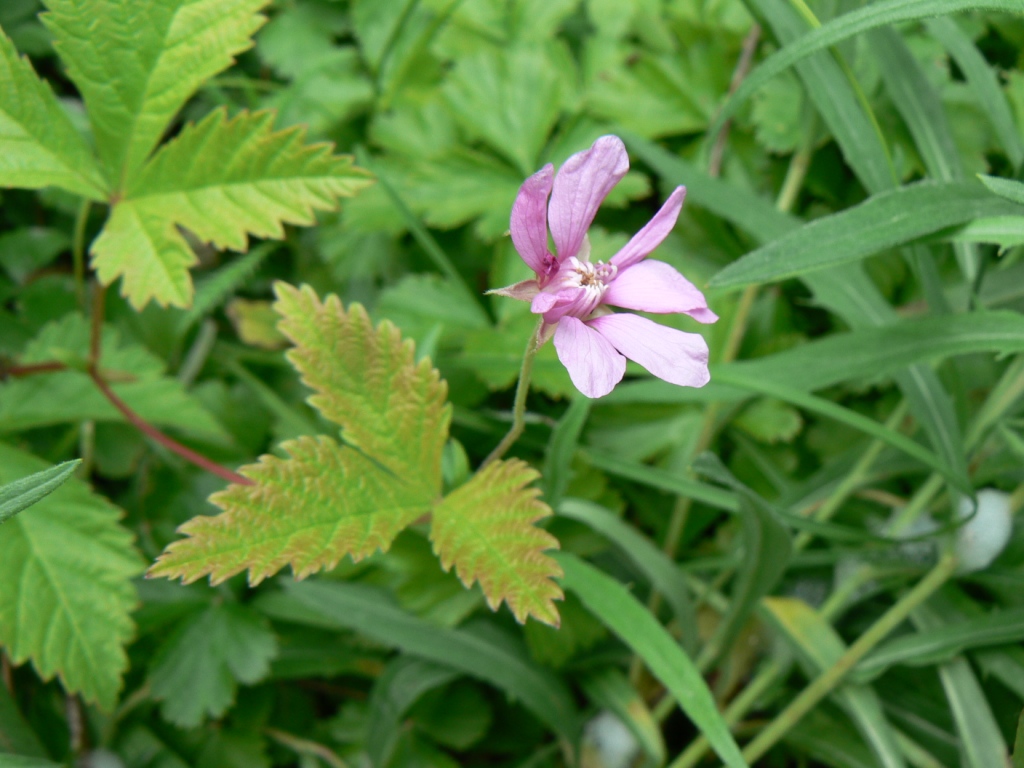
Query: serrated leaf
(367, 380)
(140, 66)
(66, 566)
(308, 511)
(485, 529)
(329, 500)
(197, 669)
(223, 179)
(39, 146)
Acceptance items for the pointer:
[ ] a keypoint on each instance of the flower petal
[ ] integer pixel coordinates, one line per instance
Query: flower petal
(524, 290)
(656, 230)
(677, 357)
(581, 185)
(593, 364)
(529, 222)
(654, 286)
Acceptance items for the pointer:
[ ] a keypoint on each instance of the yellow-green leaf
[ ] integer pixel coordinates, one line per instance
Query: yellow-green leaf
(486, 529)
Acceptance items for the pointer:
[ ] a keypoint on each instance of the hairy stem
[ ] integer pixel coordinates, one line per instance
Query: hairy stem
(519, 408)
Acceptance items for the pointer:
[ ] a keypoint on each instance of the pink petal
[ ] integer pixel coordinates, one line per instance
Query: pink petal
(582, 184)
(529, 222)
(656, 230)
(593, 364)
(654, 286)
(524, 290)
(677, 357)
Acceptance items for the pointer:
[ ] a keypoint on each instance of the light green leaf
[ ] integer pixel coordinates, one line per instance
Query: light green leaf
(67, 567)
(39, 146)
(612, 603)
(523, 84)
(1007, 188)
(329, 500)
(196, 670)
(878, 14)
(135, 375)
(138, 68)
(23, 493)
(483, 651)
(770, 421)
(223, 180)
(883, 221)
(485, 529)
(821, 647)
(1004, 231)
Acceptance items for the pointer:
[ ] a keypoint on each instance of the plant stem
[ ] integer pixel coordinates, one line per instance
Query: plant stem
(832, 677)
(522, 390)
(306, 747)
(78, 251)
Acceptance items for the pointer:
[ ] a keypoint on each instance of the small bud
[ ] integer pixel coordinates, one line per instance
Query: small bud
(980, 540)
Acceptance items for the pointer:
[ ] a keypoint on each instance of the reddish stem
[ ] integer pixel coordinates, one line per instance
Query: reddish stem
(30, 370)
(171, 444)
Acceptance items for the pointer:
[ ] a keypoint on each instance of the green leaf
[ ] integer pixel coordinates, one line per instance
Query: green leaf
(610, 689)
(18, 761)
(1018, 743)
(523, 83)
(222, 179)
(72, 562)
(942, 643)
(664, 575)
(328, 500)
(878, 14)
(612, 603)
(820, 646)
(15, 734)
(490, 656)
(485, 529)
(561, 449)
(135, 375)
(196, 671)
(1007, 188)
(770, 421)
(21, 494)
(883, 221)
(39, 146)
(138, 68)
(1004, 231)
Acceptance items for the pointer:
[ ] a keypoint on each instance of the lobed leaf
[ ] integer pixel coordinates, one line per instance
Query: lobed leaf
(367, 380)
(138, 67)
(66, 568)
(223, 179)
(196, 671)
(308, 511)
(39, 146)
(485, 529)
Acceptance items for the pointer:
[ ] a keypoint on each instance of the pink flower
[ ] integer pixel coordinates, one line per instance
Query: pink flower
(573, 295)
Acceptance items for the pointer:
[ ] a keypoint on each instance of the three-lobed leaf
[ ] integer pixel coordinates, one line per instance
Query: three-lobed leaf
(39, 146)
(222, 179)
(485, 530)
(65, 568)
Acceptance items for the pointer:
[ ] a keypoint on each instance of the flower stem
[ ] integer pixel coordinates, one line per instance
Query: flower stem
(519, 408)
(78, 251)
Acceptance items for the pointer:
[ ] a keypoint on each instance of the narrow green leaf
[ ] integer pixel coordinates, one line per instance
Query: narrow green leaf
(138, 68)
(821, 647)
(196, 670)
(612, 603)
(1007, 188)
(561, 449)
(19, 761)
(610, 689)
(371, 612)
(21, 494)
(485, 529)
(983, 82)
(73, 563)
(16, 737)
(664, 575)
(942, 643)
(980, 735)
(878, 14)
(672, 482)
(1018, 743)
(1004, 231)
(39, 146)
(883, 221)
